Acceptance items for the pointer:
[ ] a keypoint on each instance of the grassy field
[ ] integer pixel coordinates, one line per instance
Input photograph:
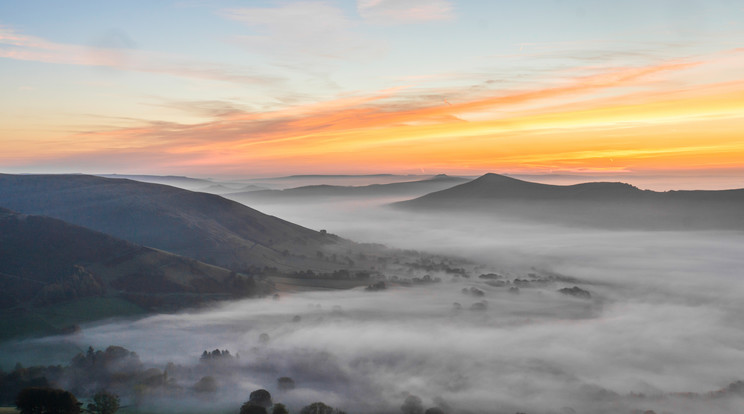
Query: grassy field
(52, 319)
(8, 410)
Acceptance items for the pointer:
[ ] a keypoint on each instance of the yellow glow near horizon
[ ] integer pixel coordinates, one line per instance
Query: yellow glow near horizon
(617, 120)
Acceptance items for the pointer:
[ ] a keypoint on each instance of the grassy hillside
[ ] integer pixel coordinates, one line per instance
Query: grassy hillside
(54, 275)
(62, 318)
(599, 204)
(202, 226)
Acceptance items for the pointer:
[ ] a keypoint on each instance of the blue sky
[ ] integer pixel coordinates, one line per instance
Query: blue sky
(72, 68)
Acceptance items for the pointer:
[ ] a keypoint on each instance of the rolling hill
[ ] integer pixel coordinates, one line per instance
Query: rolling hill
(324, 192)
(202, 226)
(188, 183)
(47, 265)
(596, 204)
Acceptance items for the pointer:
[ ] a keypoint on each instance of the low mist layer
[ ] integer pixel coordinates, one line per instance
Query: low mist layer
(663, 318)
(550, 320)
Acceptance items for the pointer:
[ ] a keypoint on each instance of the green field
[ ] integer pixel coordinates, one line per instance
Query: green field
(8, 410)
(52, 319)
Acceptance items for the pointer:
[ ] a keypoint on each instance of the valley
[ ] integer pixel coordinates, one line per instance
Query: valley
(449, 309)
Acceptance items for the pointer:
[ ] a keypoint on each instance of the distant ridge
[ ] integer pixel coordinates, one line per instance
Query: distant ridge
(197, 225)
(409, 188)
(151, 177)
(494, 186)
(596, 204)
(334, 176)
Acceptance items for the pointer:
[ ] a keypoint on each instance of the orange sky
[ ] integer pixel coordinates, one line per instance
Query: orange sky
(628, 111)
(619, 119)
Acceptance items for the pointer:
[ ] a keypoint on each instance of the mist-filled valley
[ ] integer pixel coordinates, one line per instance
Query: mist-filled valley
(472, 315)
(372, 207)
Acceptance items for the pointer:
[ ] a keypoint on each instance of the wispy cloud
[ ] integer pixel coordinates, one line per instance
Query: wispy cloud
(302, 29)
(405, 11)
(635, 111)
(19, 46)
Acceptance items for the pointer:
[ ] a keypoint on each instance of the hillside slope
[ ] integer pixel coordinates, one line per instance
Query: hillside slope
(45, 262)
(597, 204)
(198, 225)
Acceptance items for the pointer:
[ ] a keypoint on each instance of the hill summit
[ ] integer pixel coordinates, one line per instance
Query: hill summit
(594, 204)
(202, 226)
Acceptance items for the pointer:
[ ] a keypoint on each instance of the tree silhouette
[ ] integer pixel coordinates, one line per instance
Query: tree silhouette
(320, 408)
(412, 405)
(279, 409)
(206, 385)
(47, 401)
(285, 383)
(261, 398)
(248, 408)
(104, 403)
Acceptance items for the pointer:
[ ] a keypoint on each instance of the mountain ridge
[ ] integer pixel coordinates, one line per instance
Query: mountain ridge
(328, 190)
(202, 226)
(602, 204)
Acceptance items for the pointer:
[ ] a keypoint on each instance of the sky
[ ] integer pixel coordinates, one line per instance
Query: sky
(261, 88)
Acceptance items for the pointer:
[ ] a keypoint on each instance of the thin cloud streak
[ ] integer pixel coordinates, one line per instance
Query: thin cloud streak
(302, 31)
(405, 11)
(18, 46)
(505, 129)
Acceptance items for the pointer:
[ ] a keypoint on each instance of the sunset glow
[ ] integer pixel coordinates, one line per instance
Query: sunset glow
(357, 91)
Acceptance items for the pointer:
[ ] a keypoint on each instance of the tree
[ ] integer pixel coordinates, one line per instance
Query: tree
(104, 403)
(248, 408)
(206, 385)
(320, 408)
(285, 383)
(279, 409)
(47, 401)
(412, 405)
(261, 398)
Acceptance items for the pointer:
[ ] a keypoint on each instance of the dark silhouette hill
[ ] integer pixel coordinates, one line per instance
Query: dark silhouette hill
(202, 226)
(596, 204)
(45, 262)
(407, 188)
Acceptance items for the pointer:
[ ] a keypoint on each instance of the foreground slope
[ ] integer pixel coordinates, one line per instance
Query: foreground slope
(597, 204)
(47, 265)
(198, 225)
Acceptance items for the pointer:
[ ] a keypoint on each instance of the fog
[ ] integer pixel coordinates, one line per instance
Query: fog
(663, 318)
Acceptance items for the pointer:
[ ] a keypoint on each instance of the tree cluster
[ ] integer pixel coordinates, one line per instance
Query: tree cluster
(341, 274)
(80, 283)
(37, 400)
(216, 355)
(577, 292)
(429, 265)
(377, 286)
(33, 377)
